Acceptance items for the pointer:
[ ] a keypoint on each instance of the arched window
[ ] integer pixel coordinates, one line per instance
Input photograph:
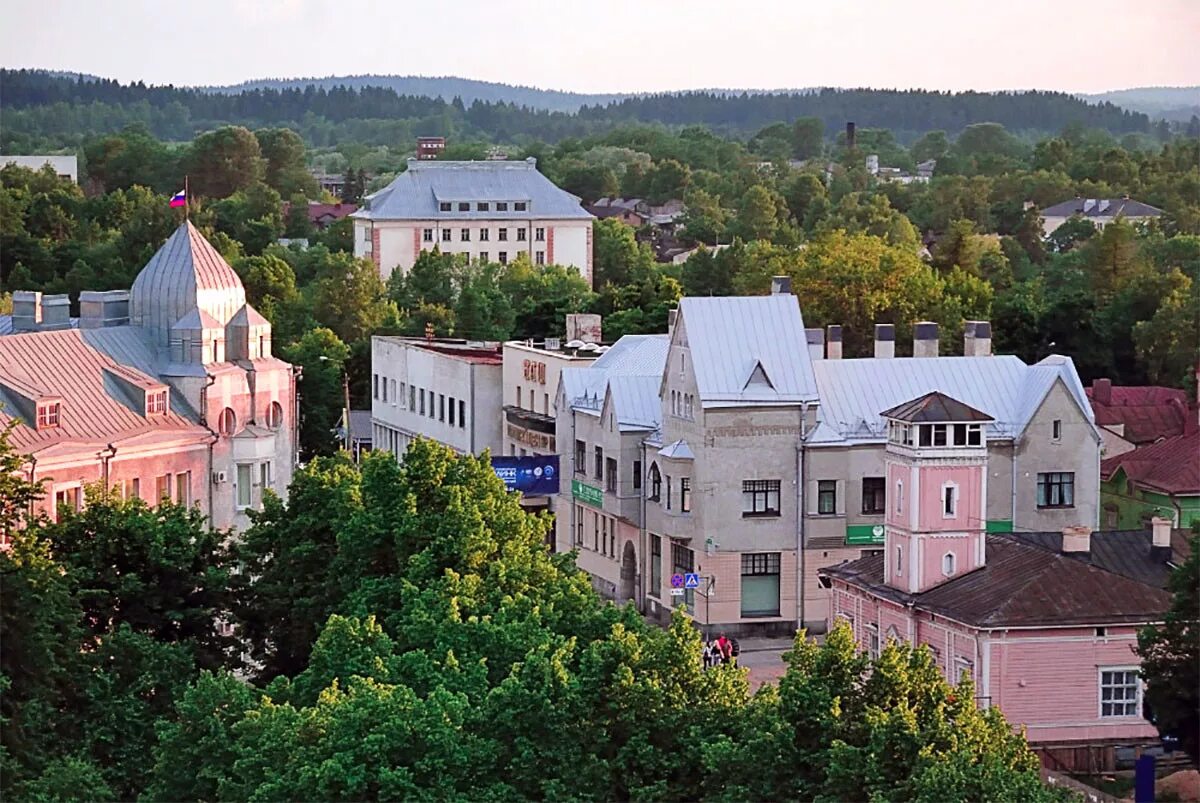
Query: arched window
(948, 561)
(275, 415)
(655, 482)
(228, 422)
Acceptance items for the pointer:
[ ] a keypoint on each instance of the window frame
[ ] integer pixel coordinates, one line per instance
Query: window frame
(685, 494)
(761, 564)
(426, 235)
(1049, 482)
(826, 497)
(655, 483)
(580, 457)
(49, 415)
(1136, 702)
(764, 488)
(876, 493)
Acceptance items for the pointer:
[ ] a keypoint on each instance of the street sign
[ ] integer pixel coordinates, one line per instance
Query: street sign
(677, 581)
(691, 580)
(677, 592)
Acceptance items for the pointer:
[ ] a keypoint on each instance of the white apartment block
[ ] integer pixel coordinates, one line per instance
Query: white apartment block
(490, 211)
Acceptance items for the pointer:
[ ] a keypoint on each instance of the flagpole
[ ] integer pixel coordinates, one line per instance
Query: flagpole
(187, 209)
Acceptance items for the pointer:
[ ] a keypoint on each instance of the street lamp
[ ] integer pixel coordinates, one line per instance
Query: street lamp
(345, 401)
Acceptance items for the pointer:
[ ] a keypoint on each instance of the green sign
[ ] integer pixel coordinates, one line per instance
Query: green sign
(999, 526)
(864, 534)
(587, 494)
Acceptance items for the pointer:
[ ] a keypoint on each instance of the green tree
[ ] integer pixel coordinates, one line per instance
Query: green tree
(1170, 654)
(297, 224)
(704, 219)
(322, 355)
(808, 137)
(758, 217)
(224, 161)
(349, 297)
(285, 171)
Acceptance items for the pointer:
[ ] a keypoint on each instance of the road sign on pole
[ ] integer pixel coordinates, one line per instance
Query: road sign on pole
(677, 581)
(677, 592)
(691, 580)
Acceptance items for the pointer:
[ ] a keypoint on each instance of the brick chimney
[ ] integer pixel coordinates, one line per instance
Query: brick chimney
(885, 340)
(27, 311)
(1102, 391)
(1160, 538)
(833, 342)
(1077, 539)
(781, 285)
(816, 343)
(977, 339)
(925, 339)
(56, 312)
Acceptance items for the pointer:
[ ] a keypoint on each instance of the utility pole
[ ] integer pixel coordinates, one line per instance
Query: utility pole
(346, 409)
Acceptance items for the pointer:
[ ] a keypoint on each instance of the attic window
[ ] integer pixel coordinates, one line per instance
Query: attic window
(228, 422)
(444, 207)
(501, 206)
(47, 414)
(519, 206)
(156, 402)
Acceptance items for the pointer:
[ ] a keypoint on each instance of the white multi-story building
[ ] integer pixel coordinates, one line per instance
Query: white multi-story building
(491, 211)
(449, 392)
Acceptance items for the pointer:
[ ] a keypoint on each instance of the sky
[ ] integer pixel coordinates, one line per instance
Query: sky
(621, 45)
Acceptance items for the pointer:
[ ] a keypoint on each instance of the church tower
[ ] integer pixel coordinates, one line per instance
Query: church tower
(936, 468)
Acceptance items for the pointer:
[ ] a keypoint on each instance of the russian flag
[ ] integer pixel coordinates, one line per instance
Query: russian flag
(179, 199)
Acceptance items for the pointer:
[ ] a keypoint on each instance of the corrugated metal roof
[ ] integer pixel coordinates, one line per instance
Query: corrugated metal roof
(417, 192)
(634, 355)
(1102, 207)
(731, 336)
(635, 399)
(66, 364)
(1171, 466)
(935, 407)
(679, 450)
(629, 373)
(1124, 552)
(854, 392)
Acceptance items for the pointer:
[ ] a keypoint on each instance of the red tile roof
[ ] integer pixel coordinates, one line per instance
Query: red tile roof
(1171, 466)
(317, 212)
(63, 364)
(1148, 412)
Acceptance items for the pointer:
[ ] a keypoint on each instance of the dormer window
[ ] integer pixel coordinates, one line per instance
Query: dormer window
(444, 206)
(48, 414)
(156, 402)
(501, 206)
(482, 206)
(464, 206)
(519, 206)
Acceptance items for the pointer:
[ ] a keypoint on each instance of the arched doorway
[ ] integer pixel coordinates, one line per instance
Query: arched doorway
(626, 588)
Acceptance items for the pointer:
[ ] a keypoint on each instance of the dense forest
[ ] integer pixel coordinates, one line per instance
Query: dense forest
(44, 110)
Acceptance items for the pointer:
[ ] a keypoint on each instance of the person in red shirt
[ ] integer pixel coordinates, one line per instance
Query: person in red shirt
(725, 648)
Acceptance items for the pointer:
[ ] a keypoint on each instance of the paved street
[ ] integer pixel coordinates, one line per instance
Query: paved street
(764, 658)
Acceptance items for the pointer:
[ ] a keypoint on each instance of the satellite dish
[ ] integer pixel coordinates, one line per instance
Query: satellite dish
(602, 349)
(575, 344)
(589, 347)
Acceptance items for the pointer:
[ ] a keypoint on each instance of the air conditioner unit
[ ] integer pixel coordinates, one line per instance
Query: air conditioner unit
(220, 477)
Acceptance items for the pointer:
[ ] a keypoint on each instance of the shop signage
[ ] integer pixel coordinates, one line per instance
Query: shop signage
(535, 371)
(528, 437)
(533, 476)
(864, 535)
(587, 494)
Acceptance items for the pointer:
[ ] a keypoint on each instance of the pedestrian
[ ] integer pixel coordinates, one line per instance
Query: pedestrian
(725, 648)
(710, 655)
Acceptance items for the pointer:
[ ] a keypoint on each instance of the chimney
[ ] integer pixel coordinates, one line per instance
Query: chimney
(56, 312)
(27, 311)
(977, 339)
(833, 342)
(781, 285)
(925, 339)
(671, 316)
(101, 308)
(1076, 540)
(816, 343)
(850, 135)
(885, 340)
(1160, 538)
(1102, 391)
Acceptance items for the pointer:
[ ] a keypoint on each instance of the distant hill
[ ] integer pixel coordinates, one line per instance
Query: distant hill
(1168, 102)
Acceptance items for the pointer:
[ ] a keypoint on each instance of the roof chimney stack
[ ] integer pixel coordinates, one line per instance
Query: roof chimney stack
(1160, 538)
(56, 312)
(1077, 540)
(925, 339)
(833, 342)
(101, 308)
(816, 343)
(850, 136)
(27, 311)
(1102, 391)
(885, 340)
(977, 339)
(781, 285)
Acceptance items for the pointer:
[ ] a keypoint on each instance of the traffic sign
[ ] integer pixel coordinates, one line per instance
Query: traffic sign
(691, 580)
(677, 581)
(677, 592)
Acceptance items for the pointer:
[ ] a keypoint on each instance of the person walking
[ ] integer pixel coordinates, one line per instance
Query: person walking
(725, 648)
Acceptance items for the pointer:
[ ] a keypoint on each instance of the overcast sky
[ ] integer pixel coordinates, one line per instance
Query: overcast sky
(620, 45)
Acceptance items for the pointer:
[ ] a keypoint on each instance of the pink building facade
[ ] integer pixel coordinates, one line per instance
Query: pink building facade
(1044, 627)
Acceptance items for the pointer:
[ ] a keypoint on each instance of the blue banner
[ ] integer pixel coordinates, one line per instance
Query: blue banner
(536, 475)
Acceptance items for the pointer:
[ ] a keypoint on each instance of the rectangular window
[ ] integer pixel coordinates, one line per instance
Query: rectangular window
(899, 496)
(939, 434)
(760, 498)
(502, 234)
(412, 397)
(444, 206)
(949, 501)
(1056, 489)
(899, 560)
(156, 402)
(826, 497)
(69, 498)
(244, 489)
(1056, 429)
(451, 411)
(760, 584)
(47, 415)
(183, 488)
(442, 407)
(668, 492)
(539, 258)
(974, 434)
(132, 489)
(383, 387)
(465, 236)
(637, 475)
(599, 465)
(264, 475)
(464, 206)
(483, 256)
(501, 206)
(446, 235)
(403, 393)
(580, 457)
(685, 494)
(162, 488)
(596, 532)
(519, 206)
(683, 562)
(579, 525)
(610, 475)
(520, 235)
(374, 386)
(482, 206)
(655, 565)
(1120, 692)
(873, 495)
(422, 401)
(502, 257)
(462, 414)
(427, 235)
(873, 640)
(539, 235)
(484, 235)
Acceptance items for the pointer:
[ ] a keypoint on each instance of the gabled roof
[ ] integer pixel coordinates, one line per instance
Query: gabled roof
(249, 316)
(853, 392)
(1101, 207)
(679, 450)
(1144, 413)
(628, 374)
(731, 336)
(197, 319)
(1022, 585)
(1171, 466)
(416, 193)
(935, 407)
(1124, 552)
(635, 400)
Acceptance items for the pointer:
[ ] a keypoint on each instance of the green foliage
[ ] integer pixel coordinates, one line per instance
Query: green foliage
(322, 356)
(224, 161)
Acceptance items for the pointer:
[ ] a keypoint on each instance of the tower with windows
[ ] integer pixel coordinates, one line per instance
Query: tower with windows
(936, 469)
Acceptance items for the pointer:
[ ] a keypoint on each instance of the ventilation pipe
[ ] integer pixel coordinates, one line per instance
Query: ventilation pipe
(925, 339)
(833, 342)
(977, 339)
(885, 341)
(816, 343)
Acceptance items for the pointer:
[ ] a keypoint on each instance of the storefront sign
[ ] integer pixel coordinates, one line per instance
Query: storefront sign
(532, 476)
(530, 438)
(535, 371)
(587, 494)
(864, 535)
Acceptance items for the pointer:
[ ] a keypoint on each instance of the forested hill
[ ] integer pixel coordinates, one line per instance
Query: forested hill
(43, 109)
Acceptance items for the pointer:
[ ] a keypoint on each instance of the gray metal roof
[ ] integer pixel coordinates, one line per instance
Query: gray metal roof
(416, 193)
(749, 350)
(635, 399)
(630, 373)
(6, 324)
(1102, 207)
(634, 354)
(855, 392)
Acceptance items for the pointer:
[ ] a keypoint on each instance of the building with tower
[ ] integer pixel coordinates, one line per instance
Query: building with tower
(165, 391)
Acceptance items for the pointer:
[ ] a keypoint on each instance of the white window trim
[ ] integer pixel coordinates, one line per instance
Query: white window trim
(237, 487)
(899, 497)
(954, 513)
(899, 561)
(1100, 670)
(953, 564)
(60, 487)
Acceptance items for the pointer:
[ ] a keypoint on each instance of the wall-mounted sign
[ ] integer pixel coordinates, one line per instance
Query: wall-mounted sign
(536, 440)
(864, 534)
(532, 476)
(535, 371)
(587, 494)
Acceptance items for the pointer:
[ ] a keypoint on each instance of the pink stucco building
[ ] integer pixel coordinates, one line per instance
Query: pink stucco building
(168, 390)
(1045, 624)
